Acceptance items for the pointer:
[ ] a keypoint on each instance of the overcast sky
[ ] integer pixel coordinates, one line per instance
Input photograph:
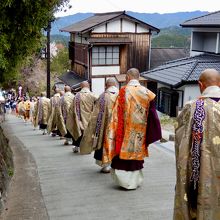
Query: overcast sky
(147, 6)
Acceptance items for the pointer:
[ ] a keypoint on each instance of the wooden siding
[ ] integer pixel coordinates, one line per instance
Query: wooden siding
(81, 70)
(81, 53)
(123, 59)
(78, 53)
(137, 52)
(71, 50)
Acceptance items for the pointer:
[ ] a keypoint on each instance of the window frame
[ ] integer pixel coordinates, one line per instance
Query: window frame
(106, 56)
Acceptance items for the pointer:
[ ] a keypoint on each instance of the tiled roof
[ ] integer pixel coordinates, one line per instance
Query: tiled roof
(209, 20)
(99, 19)
(71, 79)
(161, 55)
(182, 71)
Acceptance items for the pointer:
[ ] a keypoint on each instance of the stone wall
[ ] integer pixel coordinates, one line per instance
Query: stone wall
(6, 165)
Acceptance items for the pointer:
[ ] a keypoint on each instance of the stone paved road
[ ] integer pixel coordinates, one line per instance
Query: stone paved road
(74, 189)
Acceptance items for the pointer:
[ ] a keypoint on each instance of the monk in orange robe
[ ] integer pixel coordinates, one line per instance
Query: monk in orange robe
(128, 136)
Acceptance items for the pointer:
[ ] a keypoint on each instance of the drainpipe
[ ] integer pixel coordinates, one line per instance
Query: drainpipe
(89, 62)
(149, 54)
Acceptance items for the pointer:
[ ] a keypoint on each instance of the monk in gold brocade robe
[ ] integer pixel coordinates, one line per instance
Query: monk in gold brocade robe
(127, 137)
(93, 137)
(56, 122)
(41, 112)
(197, 145)
(80, 113)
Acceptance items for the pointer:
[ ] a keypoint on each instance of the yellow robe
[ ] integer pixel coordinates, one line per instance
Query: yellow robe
(208, 199)
(74, 125)
(21, 108)
(56, 120)
(66, 101)
(43, 106)
(87, 144)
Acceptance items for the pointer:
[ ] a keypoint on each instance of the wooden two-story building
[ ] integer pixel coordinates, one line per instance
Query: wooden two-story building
(108, 44)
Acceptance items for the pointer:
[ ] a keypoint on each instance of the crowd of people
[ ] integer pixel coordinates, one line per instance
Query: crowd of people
(19, 104)
(119, 125)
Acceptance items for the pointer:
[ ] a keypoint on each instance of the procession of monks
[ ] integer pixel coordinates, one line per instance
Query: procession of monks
(119, 125)
(114, 125)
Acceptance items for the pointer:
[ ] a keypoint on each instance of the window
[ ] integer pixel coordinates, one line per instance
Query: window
(105, 55)
(167, 101)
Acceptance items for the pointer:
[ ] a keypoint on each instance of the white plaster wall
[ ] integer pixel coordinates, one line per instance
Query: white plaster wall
(128, 26)
(141, 29)
(98, 86)
(216, 30)
(180, 98)
(105, 70)
(79, 39)
(114, 26)
(99, 29)
(194, 53)
(191, 92)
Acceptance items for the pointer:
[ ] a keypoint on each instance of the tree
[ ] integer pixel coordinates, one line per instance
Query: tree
(60, 63)
(172, 37)
(21, 25)
(170, 40)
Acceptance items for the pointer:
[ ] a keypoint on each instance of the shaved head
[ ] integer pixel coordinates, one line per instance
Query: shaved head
(57, 90)
(67, 89)
(132, 73)
(62, 92)
(84, 84)
(209, 77)
(110, 82)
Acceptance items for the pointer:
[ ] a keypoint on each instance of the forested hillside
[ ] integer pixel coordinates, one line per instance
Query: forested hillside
(172, 37)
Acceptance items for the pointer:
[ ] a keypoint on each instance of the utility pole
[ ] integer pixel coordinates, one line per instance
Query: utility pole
(48, 59)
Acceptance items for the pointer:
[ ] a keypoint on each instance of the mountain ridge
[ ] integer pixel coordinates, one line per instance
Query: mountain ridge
(155, 19)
